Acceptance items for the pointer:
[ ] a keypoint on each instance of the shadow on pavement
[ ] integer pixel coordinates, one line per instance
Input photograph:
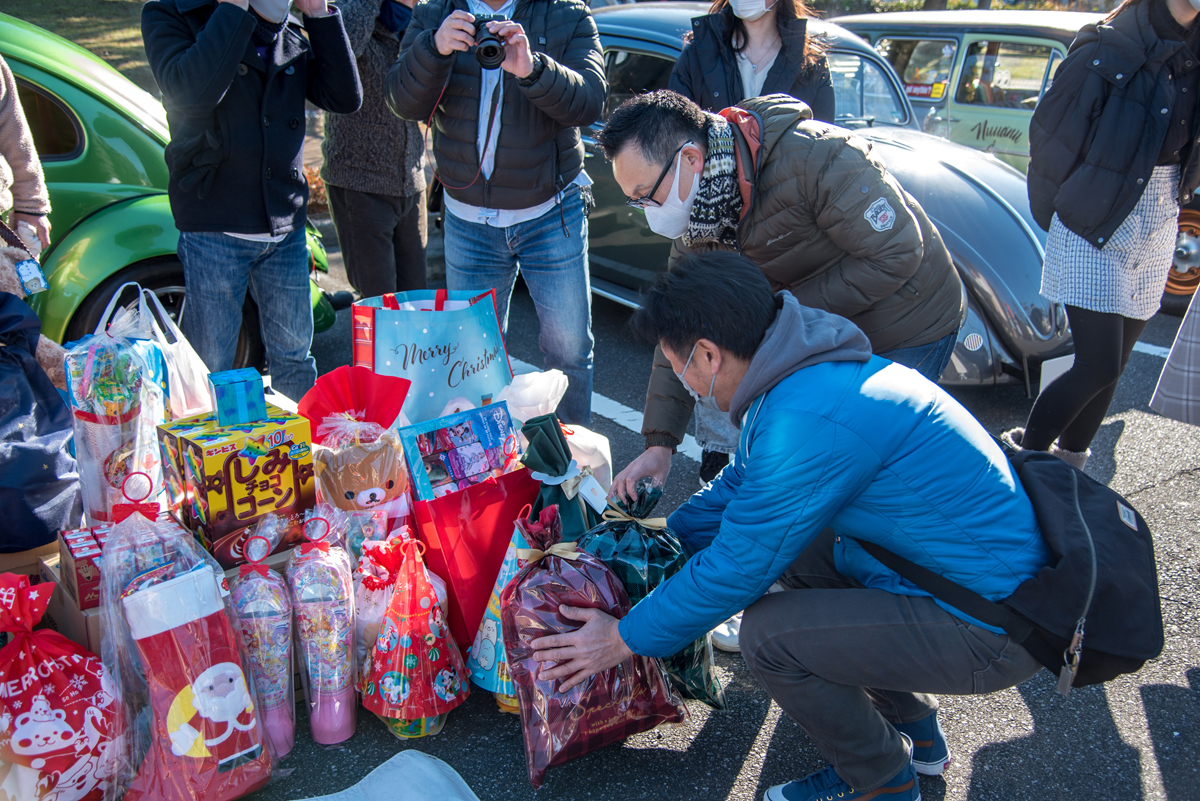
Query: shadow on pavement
(1074, 750)
(1173, 715)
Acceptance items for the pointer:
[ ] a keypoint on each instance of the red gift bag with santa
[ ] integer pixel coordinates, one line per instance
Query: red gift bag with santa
(59, 713)
(172, 646)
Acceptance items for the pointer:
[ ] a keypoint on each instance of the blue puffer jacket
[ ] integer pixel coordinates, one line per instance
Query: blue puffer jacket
(869, 448)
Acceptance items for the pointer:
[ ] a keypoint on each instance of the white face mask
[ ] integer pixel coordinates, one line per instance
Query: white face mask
(672, 217)
(271, 10)
(708, 400)
(751, 10)
(1195, 4)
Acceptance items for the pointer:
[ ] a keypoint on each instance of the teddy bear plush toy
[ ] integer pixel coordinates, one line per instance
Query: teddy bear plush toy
(362, 469)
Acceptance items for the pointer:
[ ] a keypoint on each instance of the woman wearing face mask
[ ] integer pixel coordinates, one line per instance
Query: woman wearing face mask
(750, 48)
(1112, 156)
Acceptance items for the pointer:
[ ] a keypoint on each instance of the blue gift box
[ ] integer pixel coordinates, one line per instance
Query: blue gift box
(237, 397)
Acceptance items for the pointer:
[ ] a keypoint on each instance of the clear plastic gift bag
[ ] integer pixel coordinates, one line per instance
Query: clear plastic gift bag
(264, 608)
(194, 727)
(319, 577)
(116, 386)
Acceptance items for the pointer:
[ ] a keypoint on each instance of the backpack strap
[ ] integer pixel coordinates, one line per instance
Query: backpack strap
(964, 600)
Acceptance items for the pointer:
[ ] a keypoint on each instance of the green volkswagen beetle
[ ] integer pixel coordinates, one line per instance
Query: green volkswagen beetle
(101, 141)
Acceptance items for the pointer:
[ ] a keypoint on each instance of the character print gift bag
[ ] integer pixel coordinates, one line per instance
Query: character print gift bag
(194, 721)
(633, 697)
(644, 553)
(319, 576)
(264, 609)
(60, 728)
(417, 670)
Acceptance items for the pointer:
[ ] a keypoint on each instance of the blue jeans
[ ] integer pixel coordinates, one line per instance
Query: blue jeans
(929, 360)
(217, 270)
(555, 267)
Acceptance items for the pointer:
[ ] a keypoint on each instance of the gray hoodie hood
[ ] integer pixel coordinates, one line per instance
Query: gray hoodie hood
(800, 337)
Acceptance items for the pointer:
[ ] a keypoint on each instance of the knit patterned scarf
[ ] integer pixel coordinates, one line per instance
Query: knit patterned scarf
(718, 206)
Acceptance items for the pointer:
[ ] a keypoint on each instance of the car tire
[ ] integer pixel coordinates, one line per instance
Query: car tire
(1184, 277)
(165, 278)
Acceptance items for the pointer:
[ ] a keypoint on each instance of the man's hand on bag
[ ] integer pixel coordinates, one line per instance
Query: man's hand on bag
(581, 654)
(517, 57)
(457, 32)
(655, 461)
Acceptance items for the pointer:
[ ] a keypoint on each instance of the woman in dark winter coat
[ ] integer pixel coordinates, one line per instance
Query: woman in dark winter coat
(1112, 156)
(750, 48)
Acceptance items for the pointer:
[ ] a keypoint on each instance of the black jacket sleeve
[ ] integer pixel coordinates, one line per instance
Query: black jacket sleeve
(1060, 130)
(194, 72)
(823, 105)
(415, 81)
(332, 73)
(683, 78)
(572, 92)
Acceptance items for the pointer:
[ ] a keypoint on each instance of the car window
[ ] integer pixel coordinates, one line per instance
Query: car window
(1003, 74)
(1055, 60)
(631, 74)
(923, 65)
(863, 92)
(55, 133)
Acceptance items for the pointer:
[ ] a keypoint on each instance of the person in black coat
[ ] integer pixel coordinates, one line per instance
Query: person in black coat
(1112, 157)
(234, 79)
(744, 49)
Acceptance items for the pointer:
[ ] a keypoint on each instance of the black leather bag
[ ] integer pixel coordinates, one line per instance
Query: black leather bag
(1094, 612)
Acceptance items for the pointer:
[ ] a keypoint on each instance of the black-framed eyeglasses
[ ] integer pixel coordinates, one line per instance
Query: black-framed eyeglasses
(647, 200)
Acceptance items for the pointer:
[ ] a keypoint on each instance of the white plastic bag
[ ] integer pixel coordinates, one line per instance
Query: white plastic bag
(533, 394)
(187, 375)
(590, 449)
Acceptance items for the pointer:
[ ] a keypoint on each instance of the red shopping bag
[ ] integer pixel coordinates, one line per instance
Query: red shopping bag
(466, 534)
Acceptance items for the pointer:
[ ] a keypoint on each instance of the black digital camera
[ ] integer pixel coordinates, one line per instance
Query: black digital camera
(489, 50)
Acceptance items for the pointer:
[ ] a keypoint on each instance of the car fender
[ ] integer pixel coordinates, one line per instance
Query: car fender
(118, 236)
(113, 238)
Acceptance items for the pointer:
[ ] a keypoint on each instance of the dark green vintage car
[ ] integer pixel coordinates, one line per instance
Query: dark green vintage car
(101, 141)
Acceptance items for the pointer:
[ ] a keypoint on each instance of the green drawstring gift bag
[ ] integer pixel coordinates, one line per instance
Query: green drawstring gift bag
(579, 496)
(644, 553)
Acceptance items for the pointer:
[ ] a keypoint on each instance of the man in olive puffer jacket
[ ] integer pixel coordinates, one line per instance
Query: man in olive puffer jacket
(810, 204)
(508, 151)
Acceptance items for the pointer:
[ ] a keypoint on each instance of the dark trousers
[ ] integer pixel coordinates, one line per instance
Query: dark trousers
(383, 239)
(1072, 408)
(845, 661)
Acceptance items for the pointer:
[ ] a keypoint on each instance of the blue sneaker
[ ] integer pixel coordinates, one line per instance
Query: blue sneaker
(826, 785)
(931, 755)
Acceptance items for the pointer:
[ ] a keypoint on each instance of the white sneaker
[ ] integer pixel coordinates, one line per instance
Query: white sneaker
(725, 636)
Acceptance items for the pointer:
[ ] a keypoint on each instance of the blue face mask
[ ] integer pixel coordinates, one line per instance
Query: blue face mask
(708, 400)
(394, 16)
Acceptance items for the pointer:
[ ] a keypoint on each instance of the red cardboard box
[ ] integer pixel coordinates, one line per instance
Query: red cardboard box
(79, 567)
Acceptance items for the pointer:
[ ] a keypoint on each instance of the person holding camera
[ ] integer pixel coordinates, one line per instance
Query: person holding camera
(506, 141)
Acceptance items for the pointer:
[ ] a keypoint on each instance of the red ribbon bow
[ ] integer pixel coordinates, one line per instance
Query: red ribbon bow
(320, 545)
(253, 567)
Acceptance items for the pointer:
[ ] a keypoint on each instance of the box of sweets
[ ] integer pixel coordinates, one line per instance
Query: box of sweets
(451, 453)
(220, 481)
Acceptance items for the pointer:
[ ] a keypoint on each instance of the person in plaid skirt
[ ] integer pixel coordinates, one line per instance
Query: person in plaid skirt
(1112, 156)
(1178, 392)
(832, 439)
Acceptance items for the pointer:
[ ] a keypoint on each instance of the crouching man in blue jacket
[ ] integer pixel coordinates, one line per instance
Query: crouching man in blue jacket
(835, 444)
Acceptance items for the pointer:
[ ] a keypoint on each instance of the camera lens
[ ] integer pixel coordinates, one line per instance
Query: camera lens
(489, 51)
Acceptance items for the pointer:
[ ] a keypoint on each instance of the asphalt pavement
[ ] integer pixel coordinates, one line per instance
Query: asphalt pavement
(1134, 738)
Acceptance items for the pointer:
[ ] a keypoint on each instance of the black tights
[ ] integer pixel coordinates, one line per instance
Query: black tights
(1072, 408)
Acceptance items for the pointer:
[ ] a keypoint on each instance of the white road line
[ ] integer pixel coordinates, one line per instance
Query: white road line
(619, 413)
(1152, 350)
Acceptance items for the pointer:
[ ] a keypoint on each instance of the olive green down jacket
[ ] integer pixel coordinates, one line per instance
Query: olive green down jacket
(827, 222)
